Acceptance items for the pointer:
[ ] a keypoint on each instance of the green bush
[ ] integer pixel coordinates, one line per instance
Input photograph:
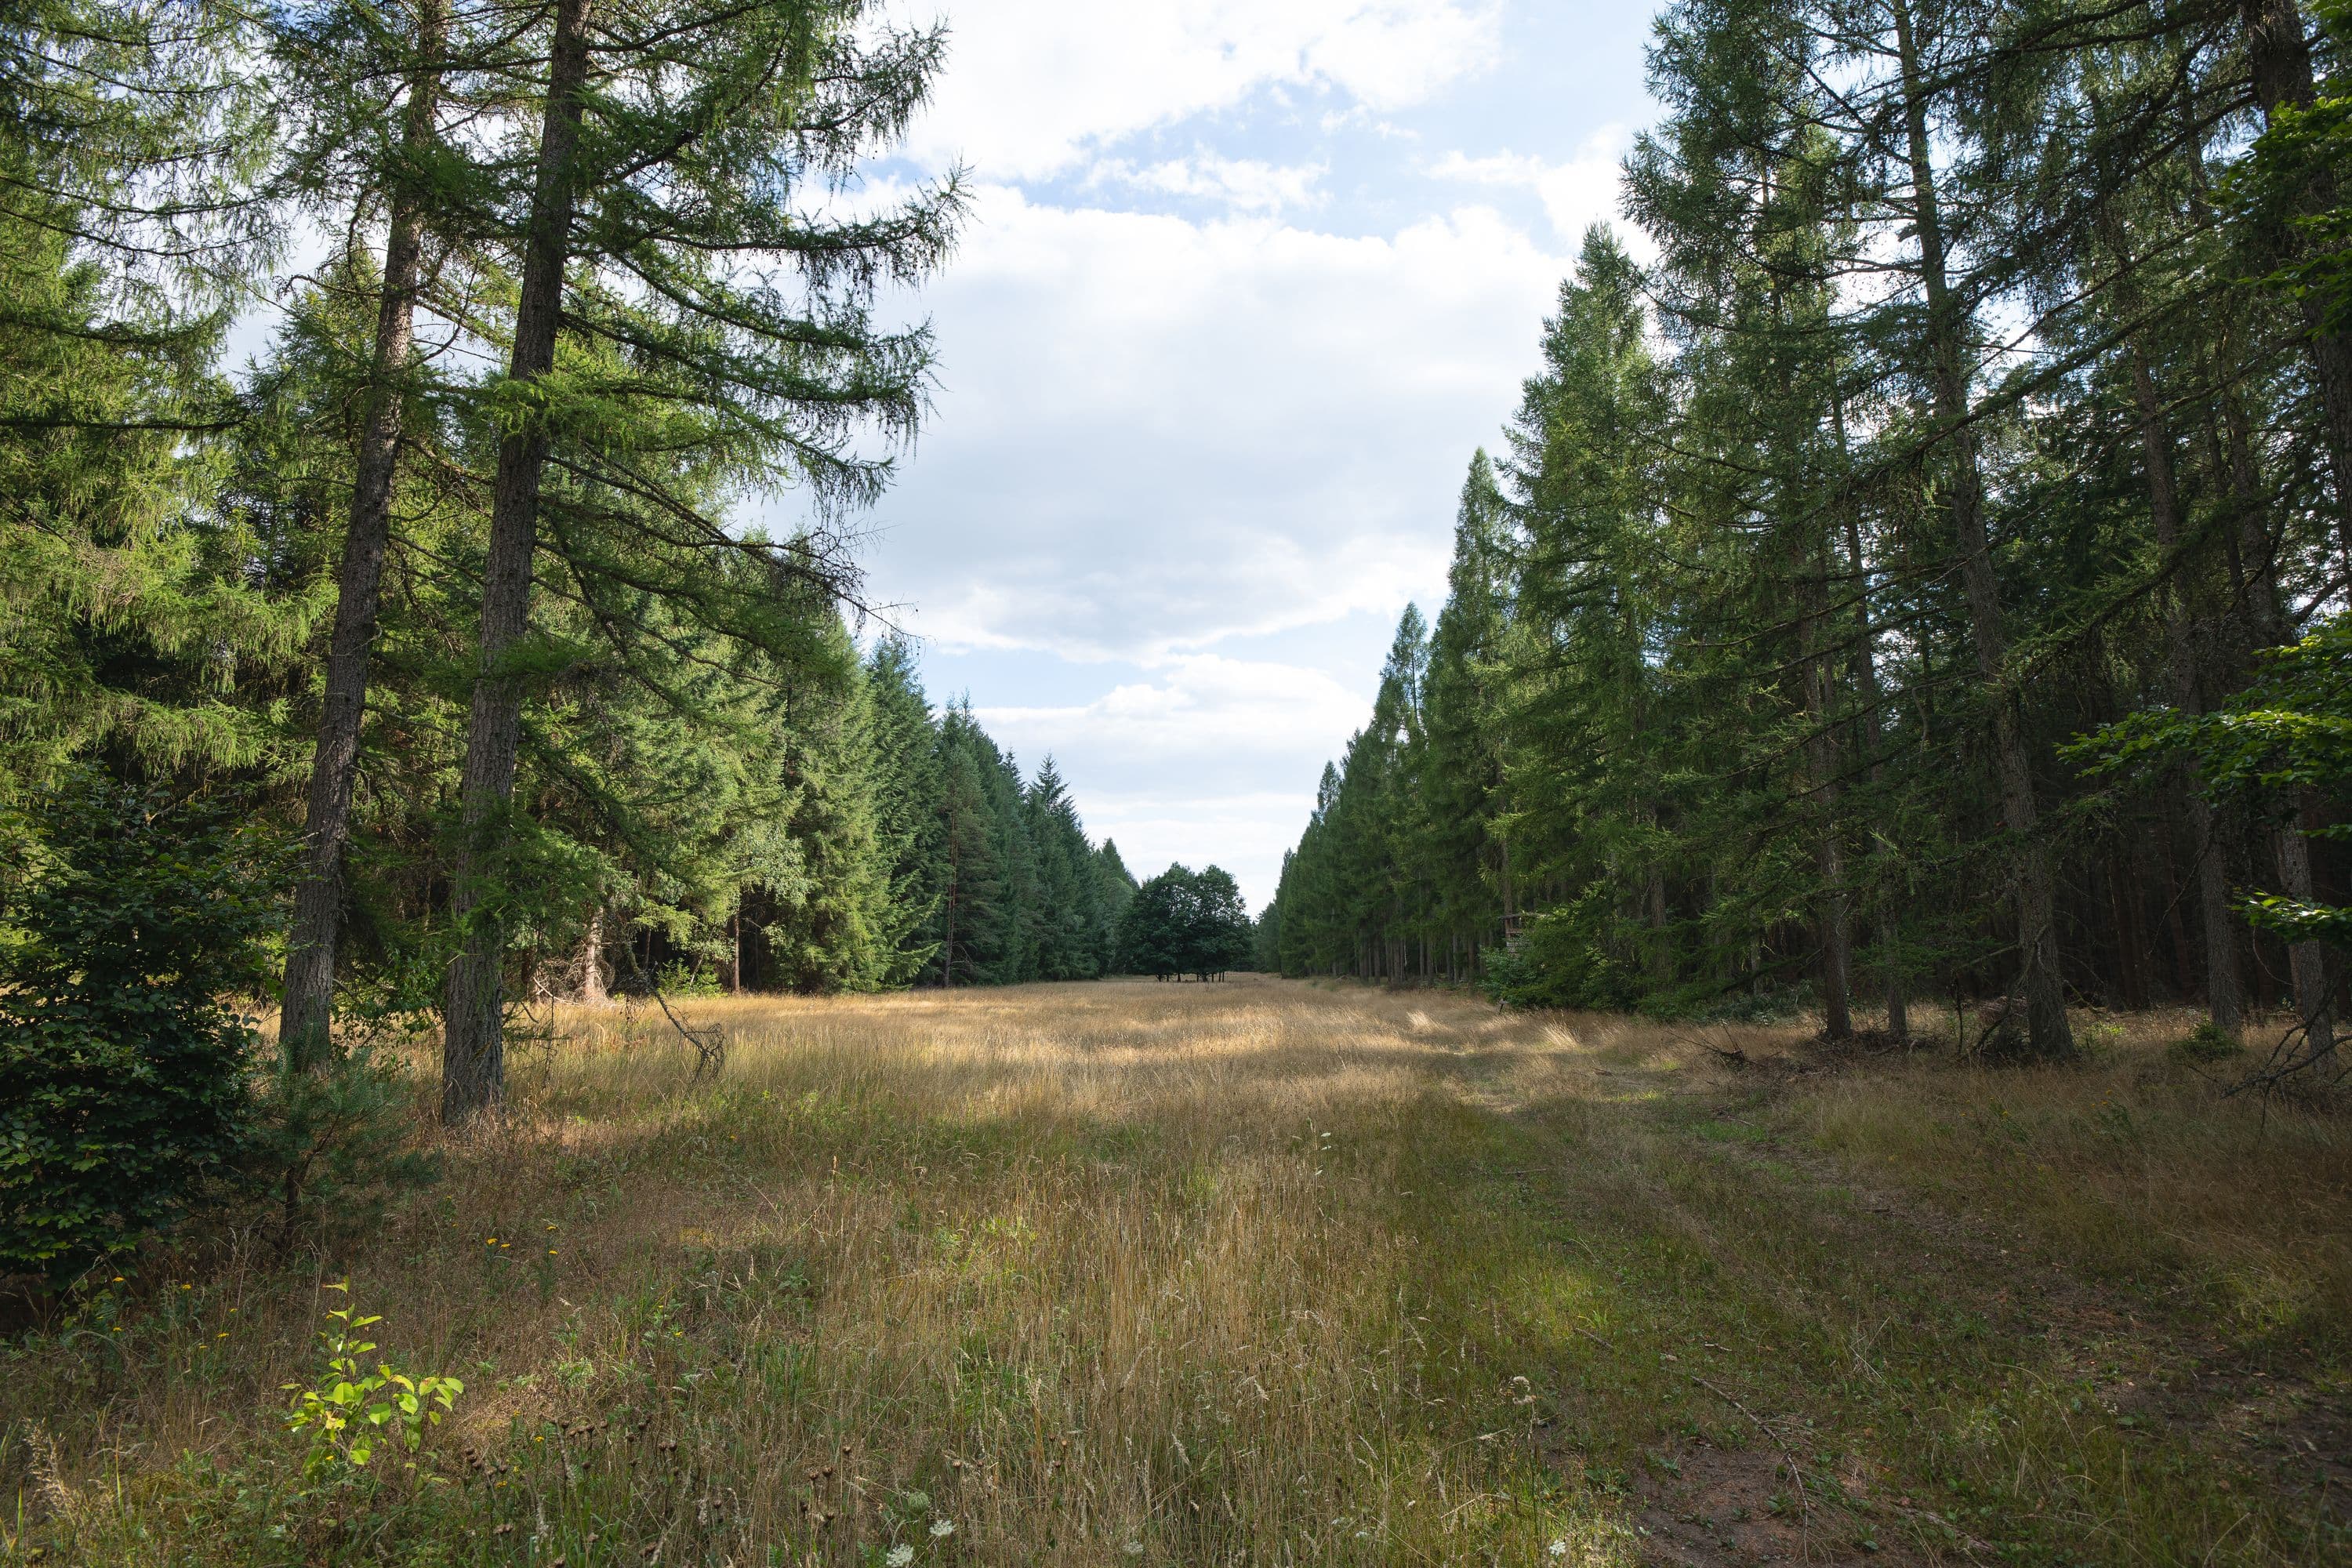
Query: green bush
(2205, 1044)
(123, 1072)
(678, 980)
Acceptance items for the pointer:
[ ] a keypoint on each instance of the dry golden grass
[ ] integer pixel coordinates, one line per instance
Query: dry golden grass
(1259, 1272)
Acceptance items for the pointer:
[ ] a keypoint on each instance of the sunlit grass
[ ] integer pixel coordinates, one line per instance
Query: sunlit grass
(1259, 1272)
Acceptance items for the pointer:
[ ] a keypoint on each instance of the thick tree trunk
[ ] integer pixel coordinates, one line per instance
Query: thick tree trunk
(2048, 1035)
(473, 1053)
(592, 962)
(1821, 766)
(2223, 988)
(1898, 1002)
(306, 1017)
(2279, 52)
(2306, 961)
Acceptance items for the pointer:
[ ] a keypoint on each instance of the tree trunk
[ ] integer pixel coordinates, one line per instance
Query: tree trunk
(2266, 627)
(1821, 766)
(2048, 1035)
(305, 1028)
(473, 1052)
(1898, 1003)
(2222, 989)
(592, 962)
(2306, 961)
(2279, 53)
(2184, 970)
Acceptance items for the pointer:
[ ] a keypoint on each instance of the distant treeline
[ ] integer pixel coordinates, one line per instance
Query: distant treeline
(901, 846)
(1992, 383)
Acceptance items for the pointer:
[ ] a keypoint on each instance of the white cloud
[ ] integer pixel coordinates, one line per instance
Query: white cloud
(1576, 194)
(1036, 86)
(1186, 465)
(1153, 433)
(1204, 711)
(1245, 833)
(1245, 185)
(1174, 766)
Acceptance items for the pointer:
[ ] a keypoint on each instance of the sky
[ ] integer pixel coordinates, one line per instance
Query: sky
(1246, 284)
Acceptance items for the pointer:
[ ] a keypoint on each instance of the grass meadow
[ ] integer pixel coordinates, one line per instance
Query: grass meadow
(1259, 1272)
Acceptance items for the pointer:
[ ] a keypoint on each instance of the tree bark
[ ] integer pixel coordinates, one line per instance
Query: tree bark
(1898, 1001)
(2278, 50)
(2048, 1035)
(592, 962)
(1821, 766)
(472, 1053)
(2222, 989)
(2306, 961)
(306, 1016)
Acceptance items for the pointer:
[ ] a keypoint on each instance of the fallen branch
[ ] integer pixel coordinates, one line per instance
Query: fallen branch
(709, 1045)
(1787, 1456)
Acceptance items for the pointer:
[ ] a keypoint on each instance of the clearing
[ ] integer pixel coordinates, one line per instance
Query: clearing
(1262, 1273)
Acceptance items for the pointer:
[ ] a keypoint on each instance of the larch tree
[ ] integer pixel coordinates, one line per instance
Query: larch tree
(673, 197)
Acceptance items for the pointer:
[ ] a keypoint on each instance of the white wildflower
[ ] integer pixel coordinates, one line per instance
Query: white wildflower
(941, 1529)
(1558, 1548)
(900, 1556)
(1135, 1549)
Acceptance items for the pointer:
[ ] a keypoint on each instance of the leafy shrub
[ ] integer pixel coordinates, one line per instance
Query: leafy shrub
(348, 1409)
(2205, 1044)
(122, 1073)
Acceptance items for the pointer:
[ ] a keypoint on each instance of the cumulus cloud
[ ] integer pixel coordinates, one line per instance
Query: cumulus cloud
(1245, 185)
(1153, 433)
(1036, 86)
(1576, 193)
(1205, 711)
(1214, 353)
(1174, 766)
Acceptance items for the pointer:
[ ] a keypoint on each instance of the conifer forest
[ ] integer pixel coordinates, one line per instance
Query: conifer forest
(582, 596)
(1919, 584)
(448, 604)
